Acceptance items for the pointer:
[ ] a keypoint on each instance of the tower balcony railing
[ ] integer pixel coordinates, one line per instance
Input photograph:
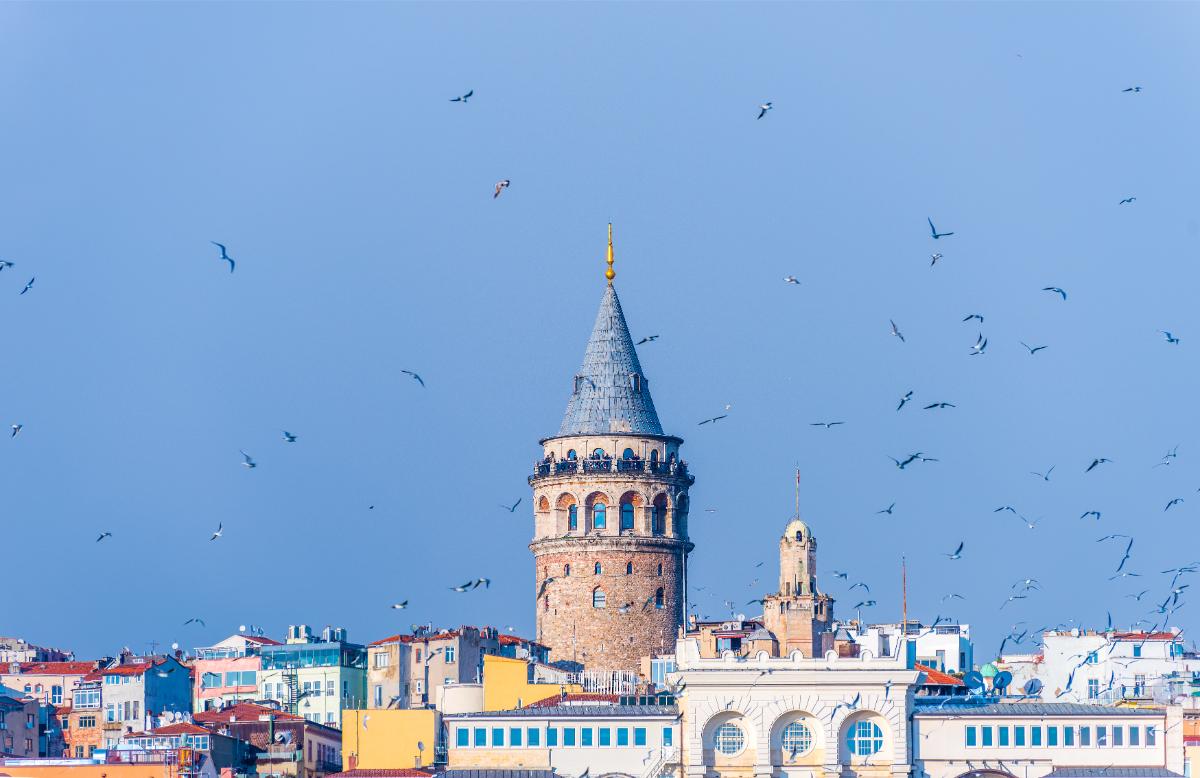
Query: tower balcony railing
(545, 468)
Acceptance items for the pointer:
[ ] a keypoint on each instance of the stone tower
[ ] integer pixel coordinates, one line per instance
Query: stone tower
(799, 614)
(610, 539)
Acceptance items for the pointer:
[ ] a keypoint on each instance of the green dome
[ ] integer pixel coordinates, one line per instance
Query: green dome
(988, 671)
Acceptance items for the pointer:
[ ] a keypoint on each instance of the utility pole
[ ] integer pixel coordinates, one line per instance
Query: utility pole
(903, 596)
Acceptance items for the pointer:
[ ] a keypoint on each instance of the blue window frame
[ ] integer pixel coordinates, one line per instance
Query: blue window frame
(1118, 736)
(865, 738)
(497, 737)
(573, 517)
(668, 736)
(639, 736)
(599, 515)
(622, 736)
(533, 737)
(514, 736)
(568, 736)
(1137, 650)
(1018, 736)
(972, 738)
(626, 515)
(462, 737)
(1035, 736)
(1150, 735)
(551, 737)
(604, 736)
(1002, 736)
(585, 736)
(1051, 736)
(480, 737)
(1101, 737)
(1085, 736)
(1068, 736)
(986, 732)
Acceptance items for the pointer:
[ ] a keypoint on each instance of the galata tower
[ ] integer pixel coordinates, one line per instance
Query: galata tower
(610, 540)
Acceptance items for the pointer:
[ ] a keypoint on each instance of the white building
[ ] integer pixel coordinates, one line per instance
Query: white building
(1105, 667)
(945, 647)
(1047, 740)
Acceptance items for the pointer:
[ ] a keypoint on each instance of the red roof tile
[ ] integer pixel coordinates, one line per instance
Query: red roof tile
(182, 728)
(1145, 636)
(552, 702)
(133, 668)
(398, 772)
(393, 639)
(53, 668)
(936, 677)
(243, 711)
(509, 640)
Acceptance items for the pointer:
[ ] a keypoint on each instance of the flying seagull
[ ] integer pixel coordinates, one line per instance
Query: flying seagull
(1056, 290)
(979, 346)
(865, 604)
(195, 621)
(501, 185)
(970, 316)
(907, 396)
(289, 437)
(931, 406)
(1170, 338)
(16, 430)
(29, 285)
(825, 424)
(415, 377)
(103, 535)
(713, 419)
(1008, 508)
(247, 462)
(1097, 515)
(957, 552)
(933, 258)
(896, 331)
(1132, 89)
(1127, 200)
(1176, 501)
(839, 574)
(933, 231)
(1044, 476)
(5, 263)
(1032, 349)
(647, 339)
(399, 606)
(219, 532)
(462, 98)
(468, 586)
(1096, 462)
(865, 588)
(887, 510)
(224, 254)
(791, 280)
(762, 109)
(512, 508)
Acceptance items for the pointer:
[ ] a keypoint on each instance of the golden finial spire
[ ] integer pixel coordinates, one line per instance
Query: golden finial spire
(610, 274)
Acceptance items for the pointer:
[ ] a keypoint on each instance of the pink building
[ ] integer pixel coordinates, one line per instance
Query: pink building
(227, 672)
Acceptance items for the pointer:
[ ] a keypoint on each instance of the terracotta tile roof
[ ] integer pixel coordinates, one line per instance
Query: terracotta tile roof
(243, 711)
(182, 728)
(53, 668)
(398, 772)
(509, 640)
(1145, 636)
(936, 677)
(393, 639)
(552, 702)
(133, 668)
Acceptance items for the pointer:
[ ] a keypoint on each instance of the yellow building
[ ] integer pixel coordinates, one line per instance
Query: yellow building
(387, 739)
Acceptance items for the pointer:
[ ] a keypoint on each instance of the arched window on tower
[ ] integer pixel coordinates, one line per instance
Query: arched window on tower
(571, 455)
(599, 516)
(659, 600)
(573, 518)
(598, 598)
(629, 568)
(547, 602)
(660, 569)
(627, 454)
(626, 515)
(598, 570)
(566, 571)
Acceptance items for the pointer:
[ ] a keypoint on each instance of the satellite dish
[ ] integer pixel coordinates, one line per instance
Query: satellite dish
(241, 628)
(174, 646)
(973, 680)
(1002, 681)
(420, 745)
(1032, 687)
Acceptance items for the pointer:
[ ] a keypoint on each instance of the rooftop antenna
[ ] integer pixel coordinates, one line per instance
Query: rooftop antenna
(610, 273)
(797, 491)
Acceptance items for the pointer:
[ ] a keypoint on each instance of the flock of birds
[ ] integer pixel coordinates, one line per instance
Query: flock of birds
(1021, 590)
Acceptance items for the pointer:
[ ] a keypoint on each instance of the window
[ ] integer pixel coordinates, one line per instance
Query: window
(585, 736)
(622, 736)
(566, 573)
(598, 599)
(660, 569)
(604, 736)
(1135, 736)
(986, 732)
(551, 737)
(56, 695)
(1002, 736)
(571, 455)
(448, 654)
(626, 515)
(383, 659)
(514, 736)
(462, 737)
(249, 678)
(629, 568)
(1068, 736)
(627, 454)
(668, 737)
(658, 598)
(110, 712)
(597, 569)
(1150, 732)
(573, 516)
(87, 722)
(656, 521)
(1118, 736)
(533, 737)
(1137, 650)
(729, 739)
(232, 678)
(418, 653)
(639, 736)
(598, 453)
(1093, 688)
(1091, 658)
(497, 737)
(480, 737)
(1051, 736)
(331, 688)
(568, 734)
(210, 681)
(1018, 736)
(797, 739)
(972, 737)
(1101, 737)
(1085, 736)
(599, 519)
(865, 738)
(1035, 736)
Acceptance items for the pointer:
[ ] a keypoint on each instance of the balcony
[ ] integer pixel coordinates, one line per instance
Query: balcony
(545, 469)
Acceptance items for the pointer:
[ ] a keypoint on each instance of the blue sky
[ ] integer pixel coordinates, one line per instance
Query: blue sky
(317, 141)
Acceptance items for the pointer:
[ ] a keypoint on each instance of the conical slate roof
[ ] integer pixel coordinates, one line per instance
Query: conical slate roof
(610, 393)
